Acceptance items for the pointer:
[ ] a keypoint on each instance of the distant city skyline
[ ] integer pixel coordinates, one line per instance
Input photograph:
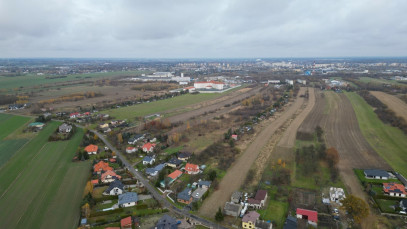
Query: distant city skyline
(202, 29)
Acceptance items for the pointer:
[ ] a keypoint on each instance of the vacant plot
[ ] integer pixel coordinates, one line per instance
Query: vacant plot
(307, 127)
(395, 104)
(237, 172)
(390, 142)
(41, 186)
(9, 124)
(378, 81)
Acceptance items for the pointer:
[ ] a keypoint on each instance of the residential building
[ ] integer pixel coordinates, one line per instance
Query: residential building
(184, 156)
(309, 215)
(115, 188)
(91, 149)
(147, 160)
(109, 176)
(259, 200)
(128, 199)
(198, 193)
(261, 224)
(133, 140)
(234, 137)
(174, 162)
(376, 174)
(393, 189)
(171, 177)
(236, 197)
(290, 223)
(166, 222)
(249, 220)
(204, 184)
(154, 171)
(232, 209)
(131, 149)
(148, 147)
(185, 196)
(64, 128)
(126, 223)
(191, 168)
(101, 166)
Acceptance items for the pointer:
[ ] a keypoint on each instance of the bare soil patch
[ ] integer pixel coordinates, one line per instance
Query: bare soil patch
(237, 172)
(395, 104)
(307, 128)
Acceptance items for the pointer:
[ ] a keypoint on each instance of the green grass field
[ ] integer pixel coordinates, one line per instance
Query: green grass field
(276, 211)
(7, 84)
(9, 147)
(141, 110)
(379, 81)
(10, 123)
(40, 187)
(389, 142)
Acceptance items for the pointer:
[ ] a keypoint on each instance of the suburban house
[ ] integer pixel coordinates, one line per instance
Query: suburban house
(191, 168)
(204, 184)
(403, 204)
(101, 166)
(185, 196)
(91, 149)
(234, 137)
(394, 189)
(184, 156)
(74, 115)
(249, 220)
(115, 188)
(166, 222)
(109, 176)
(147, 160)
(309, 215)
(376, 174)
(174, 162)
(135, 139)
(232, 209)
(128, 199)
(171, 177)
(131, 149)
(154, 171)
(259, 200)
(148, 147)
(103, 126)
(236, 197)
(261, 224)
(290, 223)
(126, 223)
(64, 128)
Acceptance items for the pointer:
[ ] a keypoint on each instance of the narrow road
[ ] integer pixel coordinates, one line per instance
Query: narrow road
(165, 203)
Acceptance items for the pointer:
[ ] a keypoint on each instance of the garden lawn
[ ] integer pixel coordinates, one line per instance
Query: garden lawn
(276, 211)
(172, 150)
(389, 142)
(386, 205)
(40, 187)
(9, 124)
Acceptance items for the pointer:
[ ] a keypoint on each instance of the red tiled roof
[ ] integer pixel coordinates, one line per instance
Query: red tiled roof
(148, 146)
(212, 82)
(96, 181)
(394, 188)
(260, 195)
(187, 88)
(253, 201)
(174, 175)
(91, 148)
(126, 221)
(312, 215)
(111, 173)
(72, 114)
(101, 165)
(191, 167)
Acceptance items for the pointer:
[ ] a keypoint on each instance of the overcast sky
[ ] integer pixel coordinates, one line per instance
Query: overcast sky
(204, 28)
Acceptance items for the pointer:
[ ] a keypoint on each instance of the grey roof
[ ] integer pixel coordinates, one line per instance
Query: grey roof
(376, 172)
(174, 161)
(237, 195)
(185, 194)
(114, 184)
(290, 223)
(150, 171)
(262, 224)
(167, 222)
(205, 183)
(128, 197)
(65, 127)
(147, 158)
(184, 155)
(230, 206)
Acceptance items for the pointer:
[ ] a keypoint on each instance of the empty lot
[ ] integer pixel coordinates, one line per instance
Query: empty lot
(395, 104)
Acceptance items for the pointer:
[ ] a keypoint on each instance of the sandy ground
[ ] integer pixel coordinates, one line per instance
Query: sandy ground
(236, 174)
(395, 104)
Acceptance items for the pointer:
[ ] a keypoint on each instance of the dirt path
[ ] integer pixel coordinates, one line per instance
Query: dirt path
(288, 139)
(235, 176)
(395, 104)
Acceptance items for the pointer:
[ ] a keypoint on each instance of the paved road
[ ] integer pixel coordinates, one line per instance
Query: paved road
(151, 189)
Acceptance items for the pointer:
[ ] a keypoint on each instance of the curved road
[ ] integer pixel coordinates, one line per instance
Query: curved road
(151, 189)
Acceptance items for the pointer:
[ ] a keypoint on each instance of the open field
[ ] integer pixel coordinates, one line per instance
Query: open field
(395, 104)
(8, 148)
(10, 123)
(41, 183)
(307, 127)
(236, 174)
(390, 142)
(379, 81)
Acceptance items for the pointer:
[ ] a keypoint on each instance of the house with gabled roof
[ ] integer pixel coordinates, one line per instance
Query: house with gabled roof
(109, 176)
(191, 168)
(154, 171)
(259, 200)
(309, 215)
(131, 149)
(171, 177)
(166, 222)
(91, 149)
(133, 140)
(148, 147)
(376, 174)
(147, 160)
(64, 128)
(249, 220)
(115, 188)
(393, 189)
(173, 162)
(101, 166)
(126, 223)
(232, 209)
(128, 199)
(185, 196)
(184, 156)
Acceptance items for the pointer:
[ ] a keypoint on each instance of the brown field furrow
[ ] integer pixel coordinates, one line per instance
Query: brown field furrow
(395, 104)
(289, 137)
(236, 174)
(307, 127)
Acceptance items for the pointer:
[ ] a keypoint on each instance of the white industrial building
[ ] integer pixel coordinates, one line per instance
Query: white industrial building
(209, 85)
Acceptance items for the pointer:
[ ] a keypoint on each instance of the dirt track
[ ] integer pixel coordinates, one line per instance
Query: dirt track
(236, 174)
(288, 139)
(395, 104)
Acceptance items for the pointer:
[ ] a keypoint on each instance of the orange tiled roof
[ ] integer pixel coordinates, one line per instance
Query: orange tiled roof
(91, 148)
(126, 221)
(395, 188)
(101, 165)
(174, 175)
(111, 173)
(149, 145)
(191, 167)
